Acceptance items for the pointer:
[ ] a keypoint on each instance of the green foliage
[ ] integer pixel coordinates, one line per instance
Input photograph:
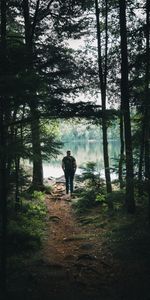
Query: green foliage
(49, 138)
(93, 188)
(86, 201)
(94, 193)
(116, 164)
(24, 178)
(38, 195)
(101, 198)
(26, 229)
(116, 196)
(90, 177)
(48, 189)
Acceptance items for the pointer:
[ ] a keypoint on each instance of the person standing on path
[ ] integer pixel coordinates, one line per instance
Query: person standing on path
(69, 167)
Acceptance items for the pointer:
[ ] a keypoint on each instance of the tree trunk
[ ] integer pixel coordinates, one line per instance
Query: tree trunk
(141, 160)
(37, 180)
(3, 162)
(17, 167)
(121, 159)
(103, 83)
(146, 104)
(130, 203)
(106, 157)
(3, 196)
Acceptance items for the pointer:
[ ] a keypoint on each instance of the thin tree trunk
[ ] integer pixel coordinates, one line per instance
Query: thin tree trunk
(130, 203)
(121, 159)
(37, 181)
(17, 167)
(106, 157)
(141, 160)
(103, 83)
(3, 197)
(147, 105)
(145, 144)
(3, 143)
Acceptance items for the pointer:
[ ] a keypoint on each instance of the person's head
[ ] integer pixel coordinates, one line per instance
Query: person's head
(68, 152)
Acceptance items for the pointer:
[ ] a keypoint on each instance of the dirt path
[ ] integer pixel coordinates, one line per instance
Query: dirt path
(73, 265)
(67, 239)
(76, 263)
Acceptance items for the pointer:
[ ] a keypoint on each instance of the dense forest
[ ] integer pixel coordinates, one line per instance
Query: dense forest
(72, 69)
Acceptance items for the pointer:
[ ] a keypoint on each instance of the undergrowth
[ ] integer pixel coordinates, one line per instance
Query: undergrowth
(26, 226)
(93, 191)
(125, 236)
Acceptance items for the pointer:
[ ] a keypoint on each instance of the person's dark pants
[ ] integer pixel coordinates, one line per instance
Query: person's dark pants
(69, 182)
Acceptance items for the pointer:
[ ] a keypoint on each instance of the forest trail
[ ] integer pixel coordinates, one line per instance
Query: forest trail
(73, 265)
(76, 263)
(67, 239)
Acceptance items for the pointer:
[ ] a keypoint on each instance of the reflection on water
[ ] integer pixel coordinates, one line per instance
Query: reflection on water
(84, 151)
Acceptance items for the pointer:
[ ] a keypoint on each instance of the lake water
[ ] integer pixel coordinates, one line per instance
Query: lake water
(85, 151)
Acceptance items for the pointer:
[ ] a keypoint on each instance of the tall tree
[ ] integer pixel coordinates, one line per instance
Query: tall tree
(34, 15)
(146, 103)
(130, 203)
(103, 86)
(121, 158)
(37, 179)
(3, 151)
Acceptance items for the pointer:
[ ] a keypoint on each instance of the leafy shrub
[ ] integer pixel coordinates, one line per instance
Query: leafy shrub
(38, 195)
(90, 177)
(93, 186)
(86, 201)
(101, 198)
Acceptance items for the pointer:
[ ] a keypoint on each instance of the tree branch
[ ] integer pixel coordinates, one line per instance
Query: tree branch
(35, 19)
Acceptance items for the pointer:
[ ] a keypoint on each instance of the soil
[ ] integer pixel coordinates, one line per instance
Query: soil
(75, 263)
